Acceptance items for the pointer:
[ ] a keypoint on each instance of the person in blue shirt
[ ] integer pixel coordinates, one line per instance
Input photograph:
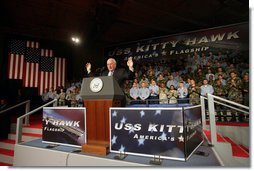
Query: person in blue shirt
(182, 93)
(134, 93)
(172, 81)
(206, 88)
(144, 92)
(154, 92)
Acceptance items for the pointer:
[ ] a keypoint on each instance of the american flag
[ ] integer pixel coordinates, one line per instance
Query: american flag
(36, 67)
(52, 71)
(16, 59)
(31, 65)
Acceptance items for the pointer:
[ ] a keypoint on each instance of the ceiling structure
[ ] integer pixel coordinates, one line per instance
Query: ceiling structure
(114, 21)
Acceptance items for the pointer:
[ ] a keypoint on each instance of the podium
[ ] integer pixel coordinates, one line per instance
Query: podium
(99, 94)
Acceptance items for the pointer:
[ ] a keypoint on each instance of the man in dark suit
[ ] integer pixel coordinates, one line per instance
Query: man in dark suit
(120, 74)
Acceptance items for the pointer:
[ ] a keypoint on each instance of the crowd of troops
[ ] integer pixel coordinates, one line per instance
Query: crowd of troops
(159, 83)
(69, 97)
(181, 81)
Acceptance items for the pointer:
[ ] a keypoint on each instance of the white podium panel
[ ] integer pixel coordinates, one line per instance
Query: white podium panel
(32, 156)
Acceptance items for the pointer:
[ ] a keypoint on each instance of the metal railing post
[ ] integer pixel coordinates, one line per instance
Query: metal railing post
(19, 130)
(202, 102)
(211, 112)
(27, 110)
(21, 118)
(55, 104)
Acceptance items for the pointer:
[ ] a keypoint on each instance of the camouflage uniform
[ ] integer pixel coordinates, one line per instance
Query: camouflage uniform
(245, 86)
(221, 91)
(61, 100)
(163, 95)
(199, 80)
(172, 96)
(235, 94)
(159, 82)
(235, 90)
(126, 90)
(73, 99)
(194, 95)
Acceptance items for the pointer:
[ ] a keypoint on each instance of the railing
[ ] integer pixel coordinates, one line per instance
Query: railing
(27, 109)
(211, 110)
(148, 102)
(26, 115)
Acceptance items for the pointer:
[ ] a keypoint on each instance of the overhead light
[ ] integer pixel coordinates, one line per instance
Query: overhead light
(75, 40)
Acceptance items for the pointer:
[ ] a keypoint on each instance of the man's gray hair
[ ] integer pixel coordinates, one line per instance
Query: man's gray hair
(112, 59)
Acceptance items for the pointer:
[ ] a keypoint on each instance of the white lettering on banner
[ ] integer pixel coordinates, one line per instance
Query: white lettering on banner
(140, 49)
(173, 43)
(118, 52)
(164, 45)
(218, 37)
(234, 35)
(154, 46)
(62, 123)
(160, 128)
(53, 129)
(146, 48)
(212, 38)
(151, 127)
(203, 40)
(176, 52)
(128, 126)
(191, 41)
(153, 137)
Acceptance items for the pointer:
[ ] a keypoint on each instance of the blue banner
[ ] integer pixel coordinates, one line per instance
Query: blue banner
(171, 133)
(228, 40)
(148, 132)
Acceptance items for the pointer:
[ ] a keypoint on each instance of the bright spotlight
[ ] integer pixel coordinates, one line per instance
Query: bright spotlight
(75, 40)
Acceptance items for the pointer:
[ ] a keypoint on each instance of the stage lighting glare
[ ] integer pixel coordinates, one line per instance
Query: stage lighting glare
(75, 40)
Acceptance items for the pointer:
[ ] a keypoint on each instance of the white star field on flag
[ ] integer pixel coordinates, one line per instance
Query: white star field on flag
(131, 130)
(158, 112)
(181, 138)
(142, 113)
(113, 140)
(123, 120)
(122, 148)
(141, 141)
(163, 137)
(147, 131)
(114, 114)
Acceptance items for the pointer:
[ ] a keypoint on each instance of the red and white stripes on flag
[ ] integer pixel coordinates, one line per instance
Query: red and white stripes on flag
(15, 66)
(34, 66)
(51, 76)
(59, 72)
(31, 66)
(31, 71)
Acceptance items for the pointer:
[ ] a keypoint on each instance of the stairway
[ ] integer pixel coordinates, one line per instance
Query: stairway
(34, 131)
(237, 150)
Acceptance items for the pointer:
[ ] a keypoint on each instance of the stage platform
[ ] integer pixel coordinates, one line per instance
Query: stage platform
(36, 153)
